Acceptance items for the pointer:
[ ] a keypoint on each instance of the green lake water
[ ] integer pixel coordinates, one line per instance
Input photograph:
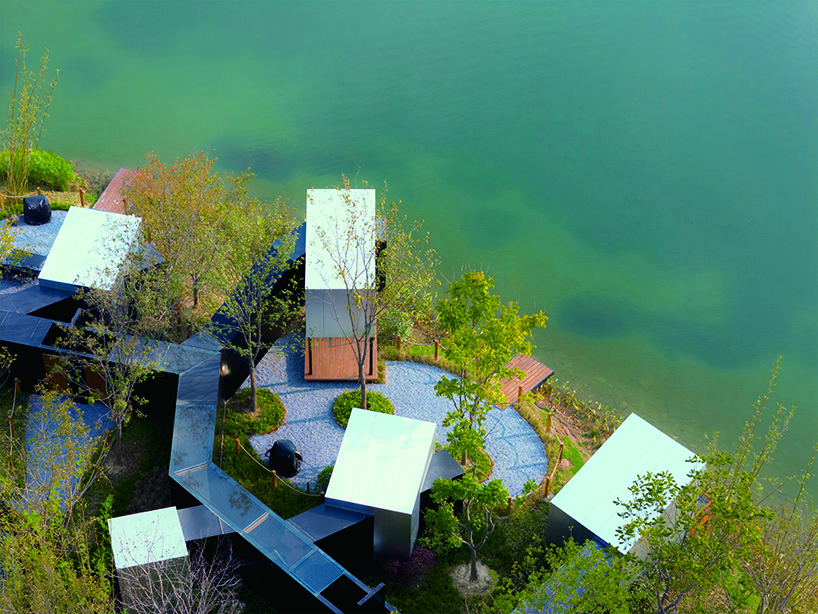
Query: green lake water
(645, 172)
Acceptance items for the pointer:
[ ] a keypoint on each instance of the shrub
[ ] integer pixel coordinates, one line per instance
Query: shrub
(268, 417)
(46, 170)
(342, 408)
(412, 572)
(322, 481)
(392, 323)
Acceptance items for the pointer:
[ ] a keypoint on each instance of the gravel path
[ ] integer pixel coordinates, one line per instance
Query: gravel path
(37, 239)
(517, 452)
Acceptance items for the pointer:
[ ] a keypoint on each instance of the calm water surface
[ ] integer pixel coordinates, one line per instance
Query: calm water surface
(645, 172)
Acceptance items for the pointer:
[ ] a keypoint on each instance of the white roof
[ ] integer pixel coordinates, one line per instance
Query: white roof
(148, 537)
(89, 249)
(383, 461)
(340, 231)
(635, 448)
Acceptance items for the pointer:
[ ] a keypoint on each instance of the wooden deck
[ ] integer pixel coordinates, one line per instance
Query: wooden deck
(535, 374)
(111, 198)
(334, 359)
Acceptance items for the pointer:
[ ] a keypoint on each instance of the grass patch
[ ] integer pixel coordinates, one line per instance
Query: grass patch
(14, 206)
(251, 471)
(267, 417)
(572, 453)
(483, 463)
(344, 404)
(433, 592)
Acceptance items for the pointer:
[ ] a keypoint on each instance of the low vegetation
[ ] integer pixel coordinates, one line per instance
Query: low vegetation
(346, 402)
(267, 417)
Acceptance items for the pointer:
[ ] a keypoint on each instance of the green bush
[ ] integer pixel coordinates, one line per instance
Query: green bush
(46, 170)
(322, 481)
(392, 323)
(342, 408)
(268, 417)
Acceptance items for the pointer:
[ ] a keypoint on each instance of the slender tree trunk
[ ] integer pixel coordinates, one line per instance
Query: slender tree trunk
(473, 577)
(363, 391)
(253, 387)
(361, 376)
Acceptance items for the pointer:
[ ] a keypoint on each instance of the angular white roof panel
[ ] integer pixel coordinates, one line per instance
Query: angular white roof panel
(634, 449)
(148, 537)
(340, 235)
(382, 461)
(89, 249)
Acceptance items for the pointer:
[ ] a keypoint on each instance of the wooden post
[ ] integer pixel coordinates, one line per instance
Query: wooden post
(275, 479)
(82, 197)
(11, 427)
(437, 350)
(237, 445)
(509, 507)
(39, 192)
(548, 424)
(547, 485)
(17, 385)
(397, 342)
(519, 393)
(559, 458)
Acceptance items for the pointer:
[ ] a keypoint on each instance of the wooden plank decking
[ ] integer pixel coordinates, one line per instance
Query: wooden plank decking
(535, 374)
(111, 198)
(334, 359)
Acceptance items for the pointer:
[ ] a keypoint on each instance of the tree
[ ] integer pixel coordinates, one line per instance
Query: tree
(184, 208)
(476, 522)
(56, 462)
(48, 565)
(783, 569)
(207, 586)
(105, 355)
(28, 109)
(253, 306)
(396, 275)
(717, 547)
(481, 336)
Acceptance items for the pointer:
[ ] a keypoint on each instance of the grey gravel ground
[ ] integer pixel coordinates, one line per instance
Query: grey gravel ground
(517, 452)
(37, 239)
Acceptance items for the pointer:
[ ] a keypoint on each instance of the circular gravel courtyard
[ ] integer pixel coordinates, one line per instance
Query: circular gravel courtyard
(517, 452)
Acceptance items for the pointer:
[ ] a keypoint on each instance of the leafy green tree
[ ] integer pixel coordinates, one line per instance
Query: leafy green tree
(57, 460)
(254, 313)
(783, 568)
(708, 546)
(481, 336)
(48, 566)
(105, 354)
(28, 109)
(474, 525)
(184, 209)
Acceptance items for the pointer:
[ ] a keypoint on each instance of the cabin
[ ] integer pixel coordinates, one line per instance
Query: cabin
(340, 270)
(585, 508)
